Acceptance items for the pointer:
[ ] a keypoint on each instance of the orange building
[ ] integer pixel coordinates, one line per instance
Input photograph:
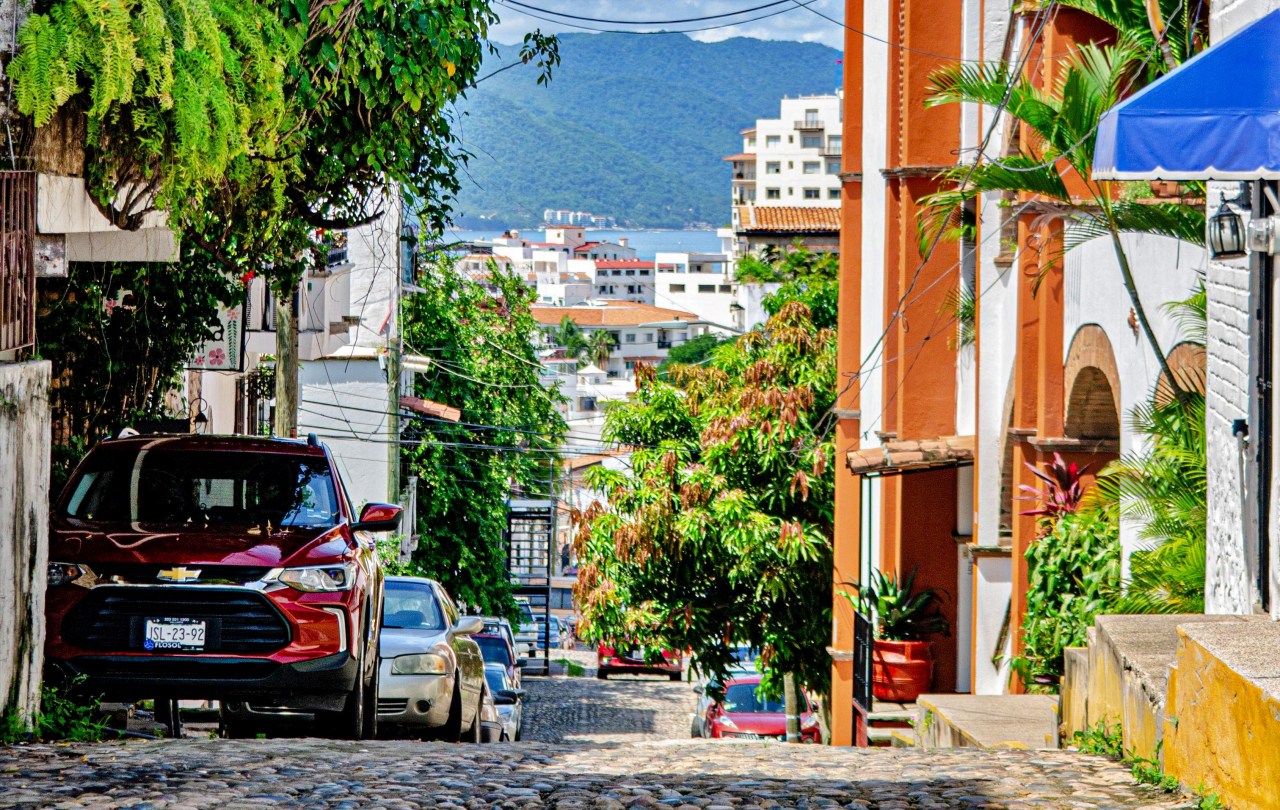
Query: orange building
(941, 417)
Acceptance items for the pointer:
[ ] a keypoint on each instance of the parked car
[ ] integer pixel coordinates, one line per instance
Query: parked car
(508, 698)
(527, 632)
(217, 568)
(432, 678)
(545, 634)
(491, 728)
(744, 658)
(744, 714)
(496, 648)
(627, 658)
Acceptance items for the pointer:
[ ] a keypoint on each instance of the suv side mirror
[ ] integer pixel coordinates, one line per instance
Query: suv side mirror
(378, 517)
(511, 695)
(520, 662)
(468, 625)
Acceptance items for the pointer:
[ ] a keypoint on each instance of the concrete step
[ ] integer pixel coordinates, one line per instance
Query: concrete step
(987, 721)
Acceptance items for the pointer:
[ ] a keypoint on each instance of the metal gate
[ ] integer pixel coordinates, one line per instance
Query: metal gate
(17, 260)
(863, 639)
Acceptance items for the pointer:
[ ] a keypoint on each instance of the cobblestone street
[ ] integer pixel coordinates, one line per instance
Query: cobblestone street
(590, 745)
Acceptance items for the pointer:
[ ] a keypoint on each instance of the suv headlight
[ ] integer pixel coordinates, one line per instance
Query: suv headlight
(809, 722)
(320, 578)
(424, 664)
(61, 573)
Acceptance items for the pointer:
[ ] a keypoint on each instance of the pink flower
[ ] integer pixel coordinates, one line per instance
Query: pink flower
(217, 357)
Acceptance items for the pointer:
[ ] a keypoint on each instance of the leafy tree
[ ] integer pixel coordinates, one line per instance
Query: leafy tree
(1062, 122)
(118, 335)
(721, 531)
(806, 276)
(692, 352)
(486, 367)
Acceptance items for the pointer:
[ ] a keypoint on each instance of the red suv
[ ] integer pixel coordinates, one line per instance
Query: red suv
(626, 658)
(218, 567)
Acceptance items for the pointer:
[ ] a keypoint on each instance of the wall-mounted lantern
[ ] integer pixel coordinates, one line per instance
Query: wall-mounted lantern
(1226, 233)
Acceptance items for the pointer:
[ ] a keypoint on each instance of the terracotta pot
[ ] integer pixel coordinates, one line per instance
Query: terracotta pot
(901, 670)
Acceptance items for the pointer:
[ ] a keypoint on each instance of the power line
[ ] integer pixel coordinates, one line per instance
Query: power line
(542, 13)
(703, 18)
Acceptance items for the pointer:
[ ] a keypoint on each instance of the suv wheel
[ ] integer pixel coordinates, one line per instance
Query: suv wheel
(371, 705)
(234, 727)
(349, 723)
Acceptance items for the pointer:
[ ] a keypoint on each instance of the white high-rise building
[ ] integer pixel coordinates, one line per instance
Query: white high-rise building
(793, 159)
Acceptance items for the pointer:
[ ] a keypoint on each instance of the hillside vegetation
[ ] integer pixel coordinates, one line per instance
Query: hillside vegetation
(630, 126)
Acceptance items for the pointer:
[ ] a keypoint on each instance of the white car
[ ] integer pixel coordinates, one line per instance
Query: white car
(431, 680)
(508, 698)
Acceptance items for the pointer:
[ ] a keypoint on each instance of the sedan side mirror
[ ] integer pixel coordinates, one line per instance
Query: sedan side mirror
(378, 517)
(521, 662)
(511, 694)
(468, 625)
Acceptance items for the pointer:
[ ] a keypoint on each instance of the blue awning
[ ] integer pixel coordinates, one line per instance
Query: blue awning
(1217, 117)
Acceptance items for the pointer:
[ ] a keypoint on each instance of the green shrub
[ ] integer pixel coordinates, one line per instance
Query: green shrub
(1073, 572)
(61, 717)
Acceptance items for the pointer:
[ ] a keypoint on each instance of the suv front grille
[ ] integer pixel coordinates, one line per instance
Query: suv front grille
(149, 573)
(239, 621)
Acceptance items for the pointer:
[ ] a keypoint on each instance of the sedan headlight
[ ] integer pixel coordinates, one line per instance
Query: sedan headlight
(61, 573)
(726, 722)
(320, 578)
(424, 664)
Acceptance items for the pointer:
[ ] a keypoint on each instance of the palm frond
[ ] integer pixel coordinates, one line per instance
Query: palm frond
(1180, 221)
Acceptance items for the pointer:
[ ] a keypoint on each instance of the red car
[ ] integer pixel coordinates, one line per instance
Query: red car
(222, 568)
(743, 714)
(630, 659)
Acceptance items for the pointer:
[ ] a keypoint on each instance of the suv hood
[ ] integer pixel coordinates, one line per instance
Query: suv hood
(82, 542)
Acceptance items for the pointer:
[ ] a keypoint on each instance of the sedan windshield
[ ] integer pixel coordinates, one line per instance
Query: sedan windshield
(494, 649)
(497, 679)
(182, 487)
(742, 697)
(411, 606)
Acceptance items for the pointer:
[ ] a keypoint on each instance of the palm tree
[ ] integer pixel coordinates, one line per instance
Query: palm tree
(1063, 124)
(597, 348)
(569, 336)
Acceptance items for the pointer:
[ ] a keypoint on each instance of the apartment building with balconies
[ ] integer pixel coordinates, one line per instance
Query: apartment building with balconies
(793, 159)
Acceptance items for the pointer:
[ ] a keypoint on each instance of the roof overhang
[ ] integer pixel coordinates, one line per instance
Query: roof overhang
(899, 457)
(435, 410)
(1216, 117)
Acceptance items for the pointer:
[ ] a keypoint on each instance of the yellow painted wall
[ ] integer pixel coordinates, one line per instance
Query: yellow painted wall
(1221, 732)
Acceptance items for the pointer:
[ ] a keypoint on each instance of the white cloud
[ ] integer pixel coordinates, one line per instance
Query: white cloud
(771, 20)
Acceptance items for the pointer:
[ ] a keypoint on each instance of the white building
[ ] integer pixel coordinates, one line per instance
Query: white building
(640, 332)
(793, 159)
(701, 283)
(622, 279)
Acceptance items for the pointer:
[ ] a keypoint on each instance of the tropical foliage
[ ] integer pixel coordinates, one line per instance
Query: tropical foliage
(484, 365)
(720, 533)
(804, 275)
(1073, 574)
(1061, 492)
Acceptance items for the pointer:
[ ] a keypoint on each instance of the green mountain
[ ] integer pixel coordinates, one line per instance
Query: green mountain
(630, 126)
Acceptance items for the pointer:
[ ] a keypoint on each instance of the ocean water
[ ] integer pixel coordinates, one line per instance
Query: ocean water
(646, 243)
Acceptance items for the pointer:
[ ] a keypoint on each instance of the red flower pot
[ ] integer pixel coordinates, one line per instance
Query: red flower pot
(901, 670)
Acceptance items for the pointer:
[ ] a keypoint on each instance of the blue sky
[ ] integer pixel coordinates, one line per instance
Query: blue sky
(771, 19)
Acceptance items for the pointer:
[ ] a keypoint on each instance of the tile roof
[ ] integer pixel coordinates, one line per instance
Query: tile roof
(740, 156)
(623, 264)
(585, 247)
(428, 408)
(906, 456)
(610, 313)
(788, 219)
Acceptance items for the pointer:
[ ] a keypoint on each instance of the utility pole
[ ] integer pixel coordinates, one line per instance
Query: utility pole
(551, 548)
(286, 415)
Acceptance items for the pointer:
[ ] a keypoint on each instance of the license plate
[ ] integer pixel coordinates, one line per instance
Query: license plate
(173, 634)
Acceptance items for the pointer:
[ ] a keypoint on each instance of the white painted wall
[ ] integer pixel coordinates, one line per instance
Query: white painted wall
(791, 155)
(992, 592)
(875, 136)
(1164, 270)
(345, 402)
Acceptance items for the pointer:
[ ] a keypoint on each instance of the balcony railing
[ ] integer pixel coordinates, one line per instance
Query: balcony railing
(831, 150)
(810, 124)
(17, 260)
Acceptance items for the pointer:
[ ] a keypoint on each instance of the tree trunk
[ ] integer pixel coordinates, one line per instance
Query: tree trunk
(286, 415)
(1141, 314)
(791, 695)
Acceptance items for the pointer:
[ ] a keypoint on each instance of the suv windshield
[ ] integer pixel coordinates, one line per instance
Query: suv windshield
(184, 487)
(742, 697)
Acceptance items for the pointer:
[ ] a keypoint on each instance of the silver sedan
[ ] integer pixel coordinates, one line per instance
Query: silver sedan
(431, 680)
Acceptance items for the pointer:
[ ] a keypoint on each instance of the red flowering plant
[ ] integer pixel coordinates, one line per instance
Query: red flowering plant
(1061, 494)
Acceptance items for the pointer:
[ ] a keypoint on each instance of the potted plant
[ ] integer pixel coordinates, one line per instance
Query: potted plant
(902, 658)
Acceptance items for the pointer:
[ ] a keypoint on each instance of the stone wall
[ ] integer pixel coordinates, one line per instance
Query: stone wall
(1232, 523)
(24, 531)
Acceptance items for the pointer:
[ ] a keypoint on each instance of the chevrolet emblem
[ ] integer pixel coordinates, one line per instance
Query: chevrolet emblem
(179, 574)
